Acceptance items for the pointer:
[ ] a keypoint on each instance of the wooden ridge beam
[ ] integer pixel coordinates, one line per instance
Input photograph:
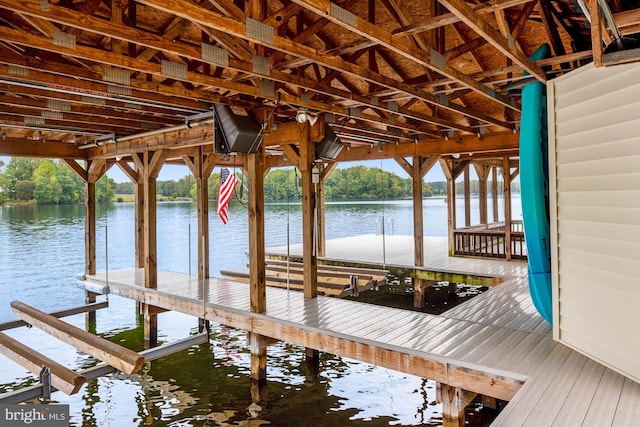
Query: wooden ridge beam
(400, 46)
(119, 357)
(477, 23)
(62, 378)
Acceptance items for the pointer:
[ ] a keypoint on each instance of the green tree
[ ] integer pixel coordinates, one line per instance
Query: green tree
(360, 182)
(125, 188)
(18, 169)
(105, 189)
(72, 185)
(47, 188)
(281, 185)
(23, 190)
(427, 191)
(439, 187)
(183, 186)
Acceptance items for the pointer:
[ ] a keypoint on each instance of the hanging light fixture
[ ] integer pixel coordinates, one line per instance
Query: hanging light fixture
(301, 116)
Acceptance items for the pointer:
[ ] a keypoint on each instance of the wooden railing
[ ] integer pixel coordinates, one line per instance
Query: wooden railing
(489, 241)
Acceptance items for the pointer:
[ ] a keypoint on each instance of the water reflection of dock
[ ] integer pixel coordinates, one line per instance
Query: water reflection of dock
(495, 344)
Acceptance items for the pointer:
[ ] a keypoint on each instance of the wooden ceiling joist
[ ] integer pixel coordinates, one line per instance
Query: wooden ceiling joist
(400, 46)
(504, 45)
(403, 73)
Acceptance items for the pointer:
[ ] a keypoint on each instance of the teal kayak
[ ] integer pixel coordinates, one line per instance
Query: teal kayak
(534, 184)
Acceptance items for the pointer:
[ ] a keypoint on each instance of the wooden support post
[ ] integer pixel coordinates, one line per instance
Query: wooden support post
(494, 198)
(119, 357)
(152, 162)
(320, 213)
(149, 215)
(447, 168)
(258, 346)
(62, 378)
(421, 166)
(483, 173)
(139, 224)
(454, 401)
(309, 261)
(136, 175)
(418, 215)
(90, 227)
(257, 277)
(90, 316)
(419, 292)
(467, 197)
(201, 167)
(506, 176)
(150, 325)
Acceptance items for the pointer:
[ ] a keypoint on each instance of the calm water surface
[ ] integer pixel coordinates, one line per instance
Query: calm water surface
(42, 251)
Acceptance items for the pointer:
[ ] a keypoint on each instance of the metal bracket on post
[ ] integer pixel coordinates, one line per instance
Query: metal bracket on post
(45, 380)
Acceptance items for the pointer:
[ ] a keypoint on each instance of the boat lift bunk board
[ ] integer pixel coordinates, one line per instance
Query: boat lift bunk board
(534, 182)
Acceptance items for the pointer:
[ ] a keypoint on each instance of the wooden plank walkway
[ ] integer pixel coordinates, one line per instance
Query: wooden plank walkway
(397, 250)
(491, 344)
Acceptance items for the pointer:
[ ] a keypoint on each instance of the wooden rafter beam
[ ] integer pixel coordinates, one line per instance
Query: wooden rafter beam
(596, 32)
(426, 58)
(71, 18)
(544, 6)
(162, 99)
(238, 29)
(484, 29)
(38, 98)
(449, 18)
(34, 108)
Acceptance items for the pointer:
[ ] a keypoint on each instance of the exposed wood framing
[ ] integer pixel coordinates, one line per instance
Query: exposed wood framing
(255, 170)
(504, 45)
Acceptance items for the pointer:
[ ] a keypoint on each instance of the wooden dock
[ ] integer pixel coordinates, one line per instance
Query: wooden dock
(332, 280)
(495, 344)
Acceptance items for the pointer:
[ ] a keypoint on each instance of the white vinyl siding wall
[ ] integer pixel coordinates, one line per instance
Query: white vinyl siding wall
(594, 137)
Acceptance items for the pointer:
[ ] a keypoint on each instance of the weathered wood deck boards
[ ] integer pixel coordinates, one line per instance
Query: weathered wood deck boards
(334, 281)
(497, 332)
(398, 251)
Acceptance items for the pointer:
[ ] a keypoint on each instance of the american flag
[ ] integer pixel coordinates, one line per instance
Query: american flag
(228, 183)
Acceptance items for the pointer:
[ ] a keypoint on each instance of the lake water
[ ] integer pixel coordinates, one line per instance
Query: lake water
(42, 251)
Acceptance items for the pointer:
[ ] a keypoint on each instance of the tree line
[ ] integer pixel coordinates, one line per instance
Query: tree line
(25, 180)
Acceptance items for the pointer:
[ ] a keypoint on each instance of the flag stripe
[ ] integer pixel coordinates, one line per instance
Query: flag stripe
(228, 183)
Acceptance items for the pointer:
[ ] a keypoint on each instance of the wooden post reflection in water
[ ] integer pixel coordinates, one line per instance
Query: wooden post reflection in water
(312, 364)
(258, 346)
